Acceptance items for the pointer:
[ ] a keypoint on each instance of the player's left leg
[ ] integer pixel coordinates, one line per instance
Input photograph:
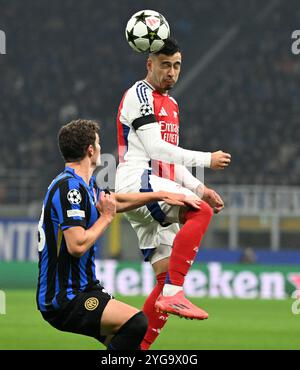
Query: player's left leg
(156, 320)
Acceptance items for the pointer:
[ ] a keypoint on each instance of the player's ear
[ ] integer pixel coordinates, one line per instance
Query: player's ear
(149, 64)
(90, 150)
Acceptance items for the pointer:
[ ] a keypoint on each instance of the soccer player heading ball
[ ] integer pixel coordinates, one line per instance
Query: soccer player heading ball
(150, 160)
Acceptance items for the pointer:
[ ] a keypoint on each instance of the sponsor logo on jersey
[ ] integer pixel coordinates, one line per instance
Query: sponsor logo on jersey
(169, 127)
(169, 132)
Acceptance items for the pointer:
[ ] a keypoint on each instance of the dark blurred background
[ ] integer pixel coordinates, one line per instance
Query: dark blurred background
(239, 91)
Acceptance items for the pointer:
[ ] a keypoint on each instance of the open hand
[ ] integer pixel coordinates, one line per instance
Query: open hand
(176, 199)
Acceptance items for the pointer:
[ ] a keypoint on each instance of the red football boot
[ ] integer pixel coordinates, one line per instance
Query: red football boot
(180, 306)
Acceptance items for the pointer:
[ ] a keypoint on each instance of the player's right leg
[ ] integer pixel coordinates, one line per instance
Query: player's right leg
(124, 326)
(185, 243)
(184, 251)
(149, 223)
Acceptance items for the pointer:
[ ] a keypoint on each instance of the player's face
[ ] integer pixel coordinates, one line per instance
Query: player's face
(163, 71)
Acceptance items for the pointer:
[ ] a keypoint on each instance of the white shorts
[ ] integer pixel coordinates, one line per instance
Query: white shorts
(157, 223)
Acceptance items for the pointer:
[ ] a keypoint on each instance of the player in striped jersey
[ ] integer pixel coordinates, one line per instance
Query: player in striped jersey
(150, 160)
(75, 214)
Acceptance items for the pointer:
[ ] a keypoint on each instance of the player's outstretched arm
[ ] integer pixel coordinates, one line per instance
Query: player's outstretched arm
(128, 202)
(158, 149)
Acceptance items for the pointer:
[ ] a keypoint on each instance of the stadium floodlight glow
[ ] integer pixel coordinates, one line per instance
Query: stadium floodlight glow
(2, 42)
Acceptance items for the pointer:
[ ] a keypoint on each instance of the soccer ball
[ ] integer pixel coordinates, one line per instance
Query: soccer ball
(146, 31)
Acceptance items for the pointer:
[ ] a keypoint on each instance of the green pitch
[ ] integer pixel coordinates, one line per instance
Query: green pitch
(233, 324)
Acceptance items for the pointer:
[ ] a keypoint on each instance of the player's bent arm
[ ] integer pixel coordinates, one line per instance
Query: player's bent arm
(158, 149)
(80, 240)
(127, 202)
(184, 177)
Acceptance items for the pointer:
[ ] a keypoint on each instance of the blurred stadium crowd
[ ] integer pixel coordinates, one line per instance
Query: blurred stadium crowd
(70, 59)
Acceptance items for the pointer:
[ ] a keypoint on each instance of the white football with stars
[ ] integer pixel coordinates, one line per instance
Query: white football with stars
(146, 31)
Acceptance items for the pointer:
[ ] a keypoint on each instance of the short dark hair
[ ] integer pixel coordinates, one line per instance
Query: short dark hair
(170, 48)
(75, 137)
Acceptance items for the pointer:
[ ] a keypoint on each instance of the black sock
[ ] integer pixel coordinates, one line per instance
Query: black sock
(131, 334)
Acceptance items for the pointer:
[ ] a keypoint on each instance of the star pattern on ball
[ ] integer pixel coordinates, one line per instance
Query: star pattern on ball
(146, 110)
(130, 36)
(74, 196)
(152, 35)
(140, 17)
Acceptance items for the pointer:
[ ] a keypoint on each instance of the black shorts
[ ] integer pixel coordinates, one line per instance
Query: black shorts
(82, 315)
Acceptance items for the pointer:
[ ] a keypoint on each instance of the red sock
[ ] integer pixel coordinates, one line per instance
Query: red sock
(156, 320)
(186, 243)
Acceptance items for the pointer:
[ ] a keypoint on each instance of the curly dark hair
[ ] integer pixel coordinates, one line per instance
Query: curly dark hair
(75, 137)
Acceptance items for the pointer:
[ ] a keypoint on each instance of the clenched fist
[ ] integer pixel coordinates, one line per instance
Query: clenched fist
(219, 160)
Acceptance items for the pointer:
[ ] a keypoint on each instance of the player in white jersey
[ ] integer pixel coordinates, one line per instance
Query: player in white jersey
(150, 160)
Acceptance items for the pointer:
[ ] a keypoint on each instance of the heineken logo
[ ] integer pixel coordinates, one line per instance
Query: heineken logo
(212, 280)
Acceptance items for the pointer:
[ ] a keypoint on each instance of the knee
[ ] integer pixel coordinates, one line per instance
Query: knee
(204, 214)
(206, 209)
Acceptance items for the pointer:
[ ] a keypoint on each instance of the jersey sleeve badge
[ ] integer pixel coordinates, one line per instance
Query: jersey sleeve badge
(74, 196)
(146, 110)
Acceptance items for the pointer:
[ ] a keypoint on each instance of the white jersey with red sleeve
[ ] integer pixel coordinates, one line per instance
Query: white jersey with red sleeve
(148, 136)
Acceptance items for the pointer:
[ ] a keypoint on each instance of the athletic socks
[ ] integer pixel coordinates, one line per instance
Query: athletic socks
(130, 335)
(186, 244)
(170, 290)
(156, 320)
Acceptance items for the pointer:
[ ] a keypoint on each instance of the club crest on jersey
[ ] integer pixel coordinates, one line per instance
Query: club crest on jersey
(74, 196)
(146, 110)
(91, 303)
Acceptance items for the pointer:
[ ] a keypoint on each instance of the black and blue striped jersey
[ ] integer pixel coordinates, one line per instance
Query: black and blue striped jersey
(69, 202)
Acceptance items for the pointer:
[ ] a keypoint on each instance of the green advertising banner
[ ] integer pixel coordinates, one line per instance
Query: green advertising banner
(204, 280)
